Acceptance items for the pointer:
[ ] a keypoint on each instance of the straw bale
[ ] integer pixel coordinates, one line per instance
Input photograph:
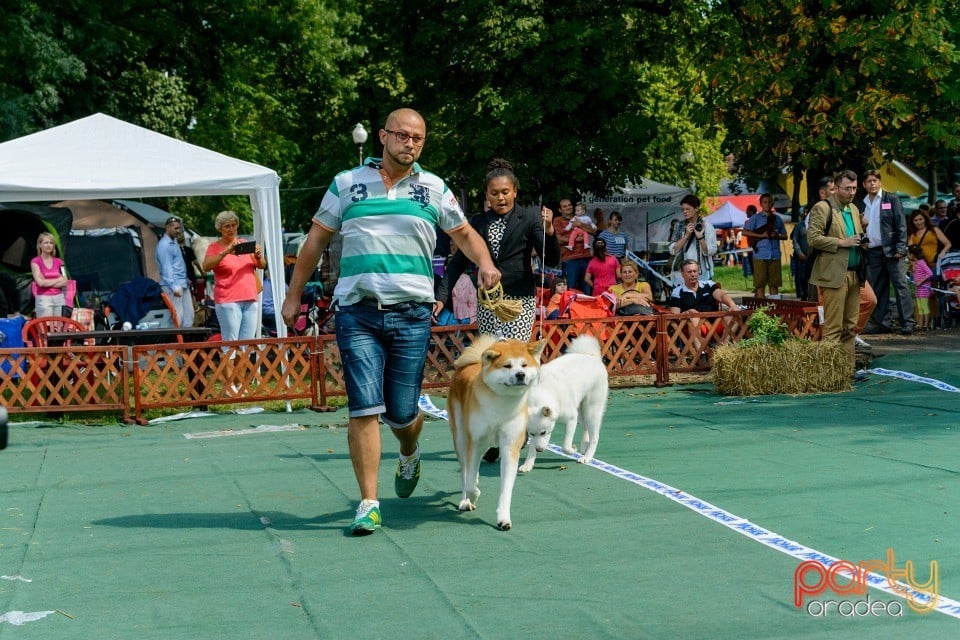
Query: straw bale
(795, 367)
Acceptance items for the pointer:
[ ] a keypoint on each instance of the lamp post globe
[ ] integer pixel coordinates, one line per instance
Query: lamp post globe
(359, 135)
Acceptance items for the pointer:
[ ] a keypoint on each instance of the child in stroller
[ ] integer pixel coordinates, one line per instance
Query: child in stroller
(948, 290)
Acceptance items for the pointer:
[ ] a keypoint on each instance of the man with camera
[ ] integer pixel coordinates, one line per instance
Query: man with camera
(834, 229)
(696, 240)
(765, 229)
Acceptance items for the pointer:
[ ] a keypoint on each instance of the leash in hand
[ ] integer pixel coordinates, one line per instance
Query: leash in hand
(492, 299)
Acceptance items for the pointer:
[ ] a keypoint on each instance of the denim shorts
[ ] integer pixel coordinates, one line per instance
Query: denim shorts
(383, 353)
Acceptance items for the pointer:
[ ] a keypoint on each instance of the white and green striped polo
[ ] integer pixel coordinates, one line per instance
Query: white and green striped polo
(389, 235)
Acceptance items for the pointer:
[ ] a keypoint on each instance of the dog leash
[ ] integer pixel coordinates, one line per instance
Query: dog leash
(492, 299)
(543, 266)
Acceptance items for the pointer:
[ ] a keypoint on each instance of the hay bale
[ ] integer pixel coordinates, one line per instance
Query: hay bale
(795, 367)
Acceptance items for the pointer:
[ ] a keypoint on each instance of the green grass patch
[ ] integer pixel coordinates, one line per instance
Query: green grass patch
(731, 279)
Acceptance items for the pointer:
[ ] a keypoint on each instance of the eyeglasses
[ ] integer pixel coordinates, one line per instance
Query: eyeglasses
(403, 136)
(171, 220)
(847, 189)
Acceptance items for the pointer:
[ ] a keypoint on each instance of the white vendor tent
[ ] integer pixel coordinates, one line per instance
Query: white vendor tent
(727, 216)
(647, 210)
(100, 157)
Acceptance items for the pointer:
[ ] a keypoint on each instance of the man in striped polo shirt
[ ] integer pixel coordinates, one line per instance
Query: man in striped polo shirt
(387, 211)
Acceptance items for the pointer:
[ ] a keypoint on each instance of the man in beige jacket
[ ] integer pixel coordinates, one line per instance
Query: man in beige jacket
(835, 230)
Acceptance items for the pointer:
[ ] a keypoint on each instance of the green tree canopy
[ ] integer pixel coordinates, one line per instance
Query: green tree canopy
(553, 87)
(824, 84)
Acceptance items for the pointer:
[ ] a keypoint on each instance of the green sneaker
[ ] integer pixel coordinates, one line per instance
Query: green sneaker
(408, 475)
(367, 519)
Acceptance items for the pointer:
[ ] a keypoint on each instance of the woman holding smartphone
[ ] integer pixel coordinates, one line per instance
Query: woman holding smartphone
(236, 288)
(236, 291)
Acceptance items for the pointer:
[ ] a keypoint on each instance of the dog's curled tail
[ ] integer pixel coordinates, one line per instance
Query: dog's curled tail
(473, 353)
(586, 345)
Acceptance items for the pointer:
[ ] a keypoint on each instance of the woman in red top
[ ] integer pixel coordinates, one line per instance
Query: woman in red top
(236, 289)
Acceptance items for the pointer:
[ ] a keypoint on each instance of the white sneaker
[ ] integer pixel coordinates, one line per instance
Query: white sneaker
(860, 342)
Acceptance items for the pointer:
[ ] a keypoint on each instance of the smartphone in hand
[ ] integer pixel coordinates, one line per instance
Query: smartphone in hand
(245, 247)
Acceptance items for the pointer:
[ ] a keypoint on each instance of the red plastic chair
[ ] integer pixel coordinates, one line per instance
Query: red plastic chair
(35, 331)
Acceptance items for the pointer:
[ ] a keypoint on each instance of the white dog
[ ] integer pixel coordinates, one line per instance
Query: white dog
(488, 406)
(572, 386)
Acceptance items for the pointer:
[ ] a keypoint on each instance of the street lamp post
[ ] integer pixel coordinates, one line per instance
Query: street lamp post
(359, 137)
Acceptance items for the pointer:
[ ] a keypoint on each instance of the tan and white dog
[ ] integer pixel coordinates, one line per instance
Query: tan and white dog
(571, 388)
(487, 406)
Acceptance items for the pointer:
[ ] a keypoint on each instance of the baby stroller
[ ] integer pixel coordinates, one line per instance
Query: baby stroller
(947, 286)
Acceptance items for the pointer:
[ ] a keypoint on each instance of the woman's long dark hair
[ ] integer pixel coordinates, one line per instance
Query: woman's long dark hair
(599, 250)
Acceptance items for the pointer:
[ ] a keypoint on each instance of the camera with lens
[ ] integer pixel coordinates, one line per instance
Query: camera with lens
(699, 226)
(864, 239)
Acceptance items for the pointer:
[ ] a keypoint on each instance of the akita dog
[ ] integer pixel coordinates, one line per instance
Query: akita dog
(571, 388)
(487, 406)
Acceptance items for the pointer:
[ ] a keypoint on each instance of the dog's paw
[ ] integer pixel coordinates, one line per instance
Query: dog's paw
(525, 468)
(584, 460)
(570, 450)
(504, 526)
(466, 505)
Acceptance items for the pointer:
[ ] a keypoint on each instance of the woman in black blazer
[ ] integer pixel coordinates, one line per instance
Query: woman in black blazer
(513, 236)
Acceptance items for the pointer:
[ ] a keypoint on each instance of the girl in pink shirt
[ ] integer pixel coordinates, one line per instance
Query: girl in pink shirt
(922, 278)
(603, 271)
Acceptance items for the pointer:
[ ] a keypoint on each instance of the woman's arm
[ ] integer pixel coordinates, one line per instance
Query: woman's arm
(59, 281)
(943, 240)
(456, 265)
(709, 238)
(259, 261)
(542, 236)
(213, 258)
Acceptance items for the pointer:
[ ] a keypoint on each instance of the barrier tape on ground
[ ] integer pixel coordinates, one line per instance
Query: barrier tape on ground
(912, 377)
(204, 414)
(759, 534)
(426, 405)
(264, 428)
(735, 523)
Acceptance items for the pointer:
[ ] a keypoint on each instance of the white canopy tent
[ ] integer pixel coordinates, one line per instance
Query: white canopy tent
(100, 157)
(647, 210)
